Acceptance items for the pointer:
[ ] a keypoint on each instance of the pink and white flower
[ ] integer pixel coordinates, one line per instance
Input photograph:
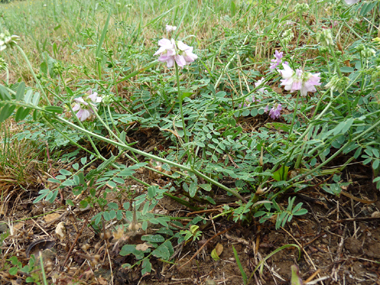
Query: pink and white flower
(166, 51)
(293, 81)
(85, 105)
(178, 52)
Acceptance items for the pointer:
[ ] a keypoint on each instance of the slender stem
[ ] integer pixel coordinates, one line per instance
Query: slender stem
(34, 75)
(341, 76)
(336, 153)
(157, 158)
(180, 102)
(294, 117)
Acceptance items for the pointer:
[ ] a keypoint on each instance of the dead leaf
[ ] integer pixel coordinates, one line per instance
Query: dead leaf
(51, 217)
(60, 230)
(277, 90)
(219, 249)
(143, 246)
(15, 228)
(119, 233)
(102, 281)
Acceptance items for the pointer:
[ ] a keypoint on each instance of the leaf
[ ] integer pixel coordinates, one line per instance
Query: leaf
(43, 193)
(54, 109)
(113, 206)
(233, 8)
(153, 238)
(146, 267)
(118, 180)
(13, 271)
(185, 94)
(281, 174)
(343, 127)
(169, 246)
(20, 91)
(51, 196)
(193, 189)
(161, 252)
(145, 208)
(83, 160)
(296, 278)
(6, 111)
(151, 192)
(28, 96)
(206, 187)
(243, 274)
(4, 94)
(217, 251)
(21, 114)
(127, 249)
(64, 172)
(107, 216)
(376, 163)
(36, 98)
(126, 205)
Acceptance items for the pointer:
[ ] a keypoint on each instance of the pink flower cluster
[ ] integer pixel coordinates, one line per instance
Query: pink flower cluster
(275, 112)
(276, 62)
(84, 106)
(171, 51)
(299, 80)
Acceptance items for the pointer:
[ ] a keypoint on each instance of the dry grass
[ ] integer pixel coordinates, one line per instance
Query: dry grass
(21, 167)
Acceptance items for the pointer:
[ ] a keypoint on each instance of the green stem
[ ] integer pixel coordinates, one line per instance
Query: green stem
(341, 76)
(336, 153)
(151, 156)
(34, 75)
(180, 103)
(294, 117)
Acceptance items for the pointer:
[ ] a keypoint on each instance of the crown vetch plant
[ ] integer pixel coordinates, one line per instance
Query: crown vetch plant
(218, 145)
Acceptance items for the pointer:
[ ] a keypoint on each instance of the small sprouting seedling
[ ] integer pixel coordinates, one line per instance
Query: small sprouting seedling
(283, 216)
(296, 278)
(193, 233)
(3, 236)
(29, 269)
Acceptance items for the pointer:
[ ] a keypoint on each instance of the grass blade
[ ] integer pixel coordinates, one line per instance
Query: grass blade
(245, 279)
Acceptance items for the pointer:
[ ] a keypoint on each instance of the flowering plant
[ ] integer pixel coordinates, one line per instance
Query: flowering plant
(276, 62)
(7, 40)
(299, 80)
(171, 51)
(85, 105)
